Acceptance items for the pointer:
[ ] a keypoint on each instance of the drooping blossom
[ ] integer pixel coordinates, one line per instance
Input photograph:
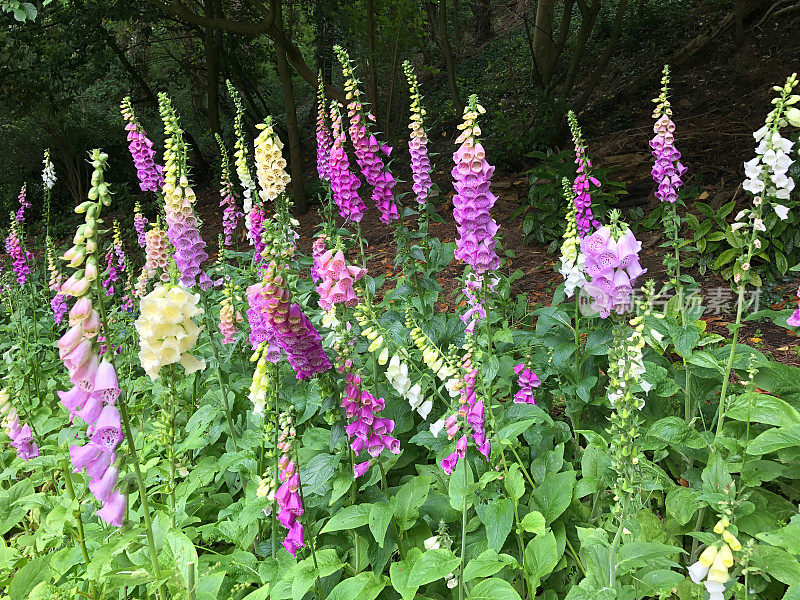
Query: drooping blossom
(572, 259)
(240, 154)
(583, 181)
(365, 144)
(270, 164)
(366, 430)
(288, 494)
(150, 174)
(324, 141)
(473, 200)
(344, 184)
(527, 381)
(179, 199)
(475, 299)
(317, 250)
(230, 212)
(18, 255)
(20, 435)
(166, 330)
(612, 263)
(667, 169)
(337, 279)
(157, 258)
(397, 374)
(140, 225)
(418, 143)
(24, 204)
(258, 319)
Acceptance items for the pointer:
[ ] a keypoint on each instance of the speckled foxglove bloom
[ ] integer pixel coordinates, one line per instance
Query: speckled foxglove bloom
(270, 164)
(317, 250)
(344, 184)
(583, 181)
(473, 200)
(256, 233)
(612, 262)
(288, 494)
(167, 332)
(527, 381)
(572, 259)
(179, 199)
(714, 563)
(140, 224)
(141, 148)
(240, 154)
(667, 169)
(324, 141)
(157, 258)
(337, 281)
(23, 204)
(418, 144)
(20, 435)
(367, 149)
(92, 399)
(366, 430)
(260, 329)
(14, 249)
(397, 374)
(260, 386)
(473, 291)
(230, 213)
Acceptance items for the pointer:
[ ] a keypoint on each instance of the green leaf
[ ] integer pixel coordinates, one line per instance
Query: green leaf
(180, 551)
(635, 555)
(461, 486)
(554, 495)
(777, 563)
(318, 472)
(364, 586)
(682, 504)
(514, 483)
(497, 517)
(762, 408)
(36, 571)
(510, 432)
(662, 581)
(541, 556)
(408, 500)
(399, 573)
(494, 589)
(486, 564)
(685, 340)
(379, 517)
(432, 566)
(534, 523)
(348, 517)
(775, 439)
(716, 477)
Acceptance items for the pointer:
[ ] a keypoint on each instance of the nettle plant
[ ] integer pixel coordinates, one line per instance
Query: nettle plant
(275, 425)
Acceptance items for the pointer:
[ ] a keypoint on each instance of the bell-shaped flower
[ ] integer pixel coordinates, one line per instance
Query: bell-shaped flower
(113, 511)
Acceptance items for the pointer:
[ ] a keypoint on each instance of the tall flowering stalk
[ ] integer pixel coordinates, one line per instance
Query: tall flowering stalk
(583, 181)
(157, 258)
(367, 149)
(115, 261)
(19, 256)
(418, 143)
(24, 204)
(240, 154)
(179, 198)
(337, 279)
(230, 213)
(150, 173)
(48, 183)
(344, 184)
(140, 225)
(324, 138)
(21, 436)
(58, 303)
(768, 183)
(95, 388)
(572, 259)
(270, 164)
(228, 316)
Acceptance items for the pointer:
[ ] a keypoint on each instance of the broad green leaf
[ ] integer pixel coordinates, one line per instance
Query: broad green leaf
(514, 483)
(408, 500)
(533, 522)
(763, 408)
(348, 518)
(635, 555)
(432, 566)
(497, 517)
(379, 517)
(510, 432)
(487, 564)
(541, 556)
(461, 487)
(661, 581)
(180, 551)
(318, 472)
(24, 580)
(777, 563)
(775, 439)
(554, 495)
(400, 571)
(682, 504)
(364, 586)
(493, 589)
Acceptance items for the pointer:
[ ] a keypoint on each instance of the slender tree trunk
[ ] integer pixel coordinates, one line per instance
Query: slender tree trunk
(588, 18)
(447, 54)
(212, 72)
(544, 49)
(372, 76)
(563, 29)
(738, 9)
(390, 95)
(482, 11)
(295, 154)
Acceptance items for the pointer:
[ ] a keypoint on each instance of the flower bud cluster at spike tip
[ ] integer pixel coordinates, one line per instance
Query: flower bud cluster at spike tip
(240, 155)
(256, 232)
(230, 213)
(474, 293)
(18, 255)
(228, 316)
(179, 199)
(260, 388)
(20, 435)
(418, 143)
(344, 184)
(471, 412)
(166, 330)
(150, 174)
(572, 259)
(115, 261)
(288, 494)
(667, 169)
(365, 144)
(337, 281)
(324, 141)
(366, 430)
(59, 303)
(270, 164)
(612, 261)
(156, 258)
(583, 198)
(95, 388)
(527, 381)
(48, 171)
(140, 225)
(473, 200)
(23, 204)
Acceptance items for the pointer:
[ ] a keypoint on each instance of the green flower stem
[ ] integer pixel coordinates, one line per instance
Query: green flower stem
(190, 581)
(275, 384)
(356, 556)
(148, 524)
(462, 587)
(173, 400)
(398, 534)
(215, 351)
(612, 555)
(729, 365)
(79, 519)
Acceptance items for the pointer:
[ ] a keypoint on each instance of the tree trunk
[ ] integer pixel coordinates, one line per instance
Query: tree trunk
(482, 11)
(372, 77)
(212, 72)
(544, 50)
(295, 153)
(447, 54)
(738, 9)
(588, 18)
